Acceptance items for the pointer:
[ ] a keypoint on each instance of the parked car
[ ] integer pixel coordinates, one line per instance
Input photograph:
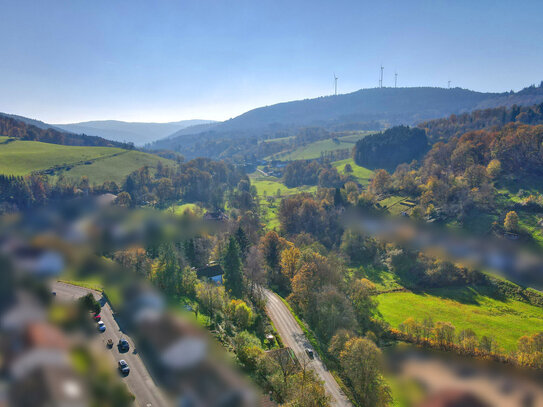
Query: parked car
(123, 367)
(101, 326)
(97, 317)
(123, 344)
(309, 352)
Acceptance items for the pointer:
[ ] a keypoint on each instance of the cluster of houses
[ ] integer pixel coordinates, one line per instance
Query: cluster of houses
(182, 356)
(35, 361)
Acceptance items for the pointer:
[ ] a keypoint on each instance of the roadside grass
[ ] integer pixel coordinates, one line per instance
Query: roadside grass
(506, 320)
(363, 175)
(111, 292)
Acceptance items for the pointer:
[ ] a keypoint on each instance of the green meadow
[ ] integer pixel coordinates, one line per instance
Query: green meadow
(504, 319)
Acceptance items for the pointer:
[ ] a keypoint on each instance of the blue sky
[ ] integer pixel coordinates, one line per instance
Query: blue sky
(163, 60)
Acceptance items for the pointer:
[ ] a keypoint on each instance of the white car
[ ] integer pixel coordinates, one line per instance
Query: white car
(101, 326)
(123, 367)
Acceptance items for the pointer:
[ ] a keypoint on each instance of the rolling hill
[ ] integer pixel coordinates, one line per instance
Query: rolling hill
(99, 164)
(384, 106)
(135, 132)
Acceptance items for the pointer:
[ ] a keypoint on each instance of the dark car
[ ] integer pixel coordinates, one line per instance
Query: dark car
(309, 352)
(124, 345)
(123, 367)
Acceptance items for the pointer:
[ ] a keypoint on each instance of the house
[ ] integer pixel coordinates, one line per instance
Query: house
(49, 385)
(218, 216)
(106, 199)
(175, 344)
(37, 261)
(212, 271)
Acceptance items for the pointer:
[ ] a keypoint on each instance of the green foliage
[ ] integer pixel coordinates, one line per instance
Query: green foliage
(89, 303)
(231, 261)
(392, 147)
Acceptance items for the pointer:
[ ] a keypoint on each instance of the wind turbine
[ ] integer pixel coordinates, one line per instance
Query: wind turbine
(381, 77)
(335, 84)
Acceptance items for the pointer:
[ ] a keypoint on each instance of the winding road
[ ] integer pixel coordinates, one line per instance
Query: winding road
(293, 337)
(139, 381)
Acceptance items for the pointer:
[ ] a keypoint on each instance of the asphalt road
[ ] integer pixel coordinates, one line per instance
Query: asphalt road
(139, 381)
(293, 337)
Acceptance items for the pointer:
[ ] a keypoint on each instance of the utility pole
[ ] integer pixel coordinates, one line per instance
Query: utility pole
(335, 84)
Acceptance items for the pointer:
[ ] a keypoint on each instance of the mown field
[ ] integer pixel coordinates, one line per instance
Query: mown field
(363, 175)
(23, 157)
(314, 150)
(504, 319)
(98, 163)
(114, 168)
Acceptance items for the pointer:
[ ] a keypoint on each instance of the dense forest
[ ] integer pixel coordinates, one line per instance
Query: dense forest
(456, 125)
(394, 146)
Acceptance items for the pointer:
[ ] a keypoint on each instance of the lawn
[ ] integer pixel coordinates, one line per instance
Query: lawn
(181, 208)
(506, 320)
(363, 175)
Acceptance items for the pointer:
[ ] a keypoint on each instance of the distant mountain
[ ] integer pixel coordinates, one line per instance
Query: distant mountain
(32, 122)
(387, 106)
(137, 133)
(22, 128)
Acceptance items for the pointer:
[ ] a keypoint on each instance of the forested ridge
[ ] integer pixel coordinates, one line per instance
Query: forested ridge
(17, 129)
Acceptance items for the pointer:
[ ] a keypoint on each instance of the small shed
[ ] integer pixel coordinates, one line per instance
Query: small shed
(212, 271)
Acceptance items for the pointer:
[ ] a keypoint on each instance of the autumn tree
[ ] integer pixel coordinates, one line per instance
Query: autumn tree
(511, 222)
(124, 199)
(240, 313)
(380, 184)
(361, 361)
(289, 261)
(493, 169)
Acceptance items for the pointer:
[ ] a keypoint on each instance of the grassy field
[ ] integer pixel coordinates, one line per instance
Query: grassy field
(114, 168)
(504, 319)
(180, 209)
(23, 157)
(363, 175)
(98, 163)
(314, 150)
(270, 192)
